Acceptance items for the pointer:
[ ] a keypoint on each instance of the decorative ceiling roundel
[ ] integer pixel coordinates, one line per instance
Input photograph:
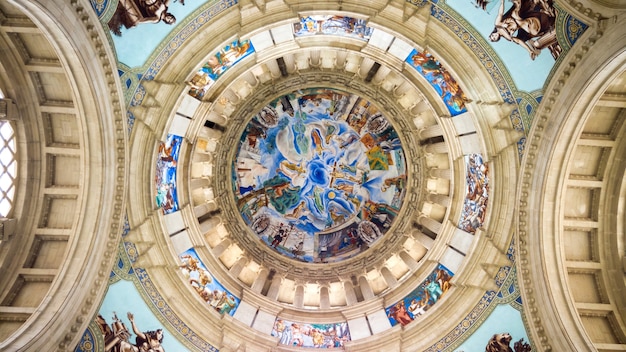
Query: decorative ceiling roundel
(319, 175)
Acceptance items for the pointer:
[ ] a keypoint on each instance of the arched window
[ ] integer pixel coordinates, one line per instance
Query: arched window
(8, 167)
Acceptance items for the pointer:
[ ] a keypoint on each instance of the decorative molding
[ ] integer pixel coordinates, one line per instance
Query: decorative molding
(525, 215)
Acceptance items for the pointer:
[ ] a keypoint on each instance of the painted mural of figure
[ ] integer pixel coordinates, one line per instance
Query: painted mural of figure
(296, 338)
(204, 278)
(298, 249)
(279, 327)
(416, 308)
(278, 238)
(443, 279)
(400, 314)
(399, 182)
(368, 232)
(216, 298)
(130, 13)
(426, 62)
(318, 338)
(433, 289)
(228, 305)
(530, 24)
(190, 263)
(149, 341)
(285, 337)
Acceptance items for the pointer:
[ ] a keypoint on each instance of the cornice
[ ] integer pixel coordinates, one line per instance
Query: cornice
(112, 104)
(315, 78)
(532, 183)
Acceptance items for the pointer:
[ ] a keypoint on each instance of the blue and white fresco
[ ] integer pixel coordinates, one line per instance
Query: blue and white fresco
(217, 65)
(332, 24)
(165, 177)
(422, 298)
(440, 79)
(320, 175)
(476, 195)
(218, 297)
(311, 334)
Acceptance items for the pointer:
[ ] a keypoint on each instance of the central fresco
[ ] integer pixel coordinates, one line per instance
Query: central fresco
(319, 175)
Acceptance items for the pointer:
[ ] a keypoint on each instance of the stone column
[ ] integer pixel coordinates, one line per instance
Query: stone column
(298, 297)
(388, 276)
(408, 260)
(350, 294)
(431, 224)
(221, 247)
(324, 296)
(259, 282)
(440, 199)
(272, 293)
(366, 289)
(436, 148)
(430, 132)
(236, 269)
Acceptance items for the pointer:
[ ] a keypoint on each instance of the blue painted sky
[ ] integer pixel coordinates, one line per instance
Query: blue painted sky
(503, 319)
(137, 43)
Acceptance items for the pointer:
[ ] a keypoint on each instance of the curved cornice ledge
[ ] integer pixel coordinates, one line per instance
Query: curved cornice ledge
(553, 321)
(83, 277)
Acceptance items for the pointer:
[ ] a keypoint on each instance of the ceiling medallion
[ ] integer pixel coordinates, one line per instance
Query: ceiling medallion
(319, 175)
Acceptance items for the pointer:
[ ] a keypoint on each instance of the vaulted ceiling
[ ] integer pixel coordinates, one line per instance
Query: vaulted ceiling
(89, 126)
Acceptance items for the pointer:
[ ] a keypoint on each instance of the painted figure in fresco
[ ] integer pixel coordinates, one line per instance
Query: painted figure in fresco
(499, 343)
(228, 305)
(130, 13)
(400, 314)
(443, 279)
(318, 338)
(417, 308)
(115, 336)
(148, 341)
(279, 328)
(477, 194)
(189, 262)
(217, 299)
(530, 24)
(296, 335)
(433, 289)
(278, 237)
(285, 337)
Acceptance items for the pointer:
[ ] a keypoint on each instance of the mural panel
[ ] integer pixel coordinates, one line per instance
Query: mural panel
(422, 298)
(206, 285)
(311, 335)
(217, 65)
(319, 175)
(336, 25)
(440, 79)
(165, 178)
(477, 194)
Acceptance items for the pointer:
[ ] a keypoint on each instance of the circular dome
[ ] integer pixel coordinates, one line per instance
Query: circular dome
(319, 175)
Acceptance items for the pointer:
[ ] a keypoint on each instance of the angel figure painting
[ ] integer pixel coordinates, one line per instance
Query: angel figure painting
(528, 23)
(130, 13)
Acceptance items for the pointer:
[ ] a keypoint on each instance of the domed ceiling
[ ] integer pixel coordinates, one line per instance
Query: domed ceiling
(323, 164)
(326, 175)
(320, 175)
